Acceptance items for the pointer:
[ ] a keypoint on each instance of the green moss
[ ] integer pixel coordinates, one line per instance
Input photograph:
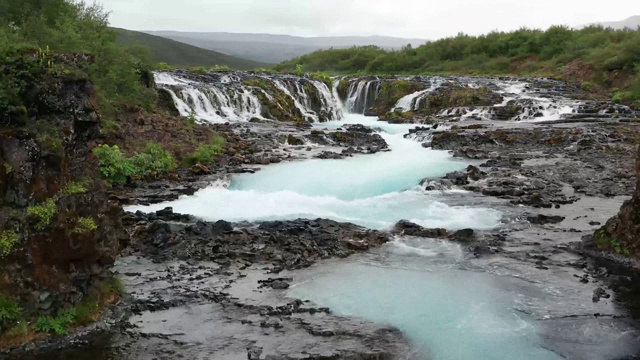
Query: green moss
(262, 84)
(8, 169)
(84, 226)
(8, 239)
(74, 188)
(43, 213)
(343, 87)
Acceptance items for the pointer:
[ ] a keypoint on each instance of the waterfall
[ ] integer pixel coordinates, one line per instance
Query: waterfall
(220, 97)
(330, 101)
(412, 101)
(361, 95)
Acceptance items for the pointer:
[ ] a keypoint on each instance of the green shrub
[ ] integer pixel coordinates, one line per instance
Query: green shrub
(44, 213)
(74, 188)
(154, 160)
(58, 325)
(114, 166)
(10, 310)
(8, 239)
(85, 225)
(205, 153)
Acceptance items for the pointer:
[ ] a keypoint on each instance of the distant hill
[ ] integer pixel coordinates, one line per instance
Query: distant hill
(631, 23)
(180, 54)
(277, 48)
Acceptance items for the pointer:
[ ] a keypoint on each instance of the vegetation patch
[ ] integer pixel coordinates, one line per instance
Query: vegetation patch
(84, 226)
(43, 213)
(600, 58)
(8, 239)
(206, 153)
(74, 188)
(116, 168)
(58, 325)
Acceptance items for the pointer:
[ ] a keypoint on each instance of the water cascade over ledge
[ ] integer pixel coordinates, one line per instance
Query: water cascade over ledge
(222, 96)
(480, 98)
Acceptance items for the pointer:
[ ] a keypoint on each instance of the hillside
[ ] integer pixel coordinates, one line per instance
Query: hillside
(180, 54)
(602, 59)
(277, 48)
(632, 23)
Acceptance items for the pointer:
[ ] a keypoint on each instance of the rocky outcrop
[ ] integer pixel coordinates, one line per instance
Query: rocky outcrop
(58, 231)
(286, 244)
(621, 234)
(357, 139)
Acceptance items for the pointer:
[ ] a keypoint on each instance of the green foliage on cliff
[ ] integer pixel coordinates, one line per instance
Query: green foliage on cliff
(43, 213)
(114, 166)
(602, 57)
(58, 325)
(85, 225)
(8, 239)
(10, 310)
(118, 73)
(74, 188)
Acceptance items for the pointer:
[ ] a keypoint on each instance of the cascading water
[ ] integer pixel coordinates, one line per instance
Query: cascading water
(226, 97)
(412, 101)
(449, 306)
(361, 95)
(522, 100)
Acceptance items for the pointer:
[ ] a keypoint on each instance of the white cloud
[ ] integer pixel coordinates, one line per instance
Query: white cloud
(429, 19)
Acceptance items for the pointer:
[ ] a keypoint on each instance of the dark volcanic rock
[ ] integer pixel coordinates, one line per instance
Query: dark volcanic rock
(355, 136)
(44, 147)
(408, 228)
(622, 232)
(544, 219)
(290, 244)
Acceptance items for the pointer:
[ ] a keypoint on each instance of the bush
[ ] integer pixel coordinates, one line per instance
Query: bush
(10, 310)
(58, 325)
(154, 160)
(85, 225)
(8, 239)
(74, 188)
(205, 154)
(43, 213)
(114, 166)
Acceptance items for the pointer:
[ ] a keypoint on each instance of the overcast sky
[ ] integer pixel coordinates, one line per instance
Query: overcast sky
(425, 19)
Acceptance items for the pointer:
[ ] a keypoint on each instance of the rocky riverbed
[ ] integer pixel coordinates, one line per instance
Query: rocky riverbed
(221, 289)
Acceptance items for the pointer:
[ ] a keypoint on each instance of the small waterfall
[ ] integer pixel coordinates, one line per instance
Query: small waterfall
(304, 110)
(221, 97)
(210, 102)
(412, 101)
(330, 101)
(361, 95)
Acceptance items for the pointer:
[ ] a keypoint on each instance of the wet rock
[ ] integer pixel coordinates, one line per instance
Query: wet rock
(458, 177)
(598, 294)
(408, 228)
(545, 219)
(464, 235)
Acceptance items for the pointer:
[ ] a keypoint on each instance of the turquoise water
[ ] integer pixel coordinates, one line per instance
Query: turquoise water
(370, 190)
(420, 286)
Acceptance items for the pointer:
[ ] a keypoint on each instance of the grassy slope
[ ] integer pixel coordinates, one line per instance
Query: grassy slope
(180, 54)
